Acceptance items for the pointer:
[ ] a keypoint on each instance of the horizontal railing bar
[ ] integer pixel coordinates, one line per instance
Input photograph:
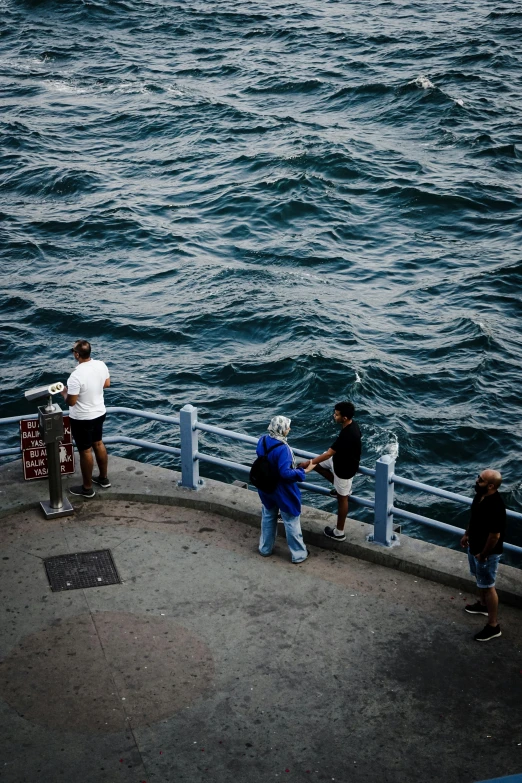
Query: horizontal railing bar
(226, 433)
(219, 461)
(399, 512)
(311, 455)
(325, 491)
(10, 452)
(366, 471)
(15, 419)
(249, 439)
(118, 409)
(512, 547)
(144, 415)
(444, 494)
(144, 444)
(403, 514)
(313, 487)
(362, 501)
(453, 496)
(303, 484)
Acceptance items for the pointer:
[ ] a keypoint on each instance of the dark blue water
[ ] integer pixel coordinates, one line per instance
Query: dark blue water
(268, 207)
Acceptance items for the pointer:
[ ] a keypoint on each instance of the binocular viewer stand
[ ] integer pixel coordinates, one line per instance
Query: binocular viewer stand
(50, 422)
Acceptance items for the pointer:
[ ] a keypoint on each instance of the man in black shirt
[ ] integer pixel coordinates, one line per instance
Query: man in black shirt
(484, 537)
(340, 464)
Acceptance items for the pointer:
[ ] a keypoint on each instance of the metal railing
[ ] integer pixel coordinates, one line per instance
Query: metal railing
(384, 473)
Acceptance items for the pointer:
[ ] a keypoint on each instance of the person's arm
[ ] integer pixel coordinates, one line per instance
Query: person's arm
(311, 463)
(322, 457)
(107, 383)
(284, 466)
(465, 539)
(70, 399)
(488, 547)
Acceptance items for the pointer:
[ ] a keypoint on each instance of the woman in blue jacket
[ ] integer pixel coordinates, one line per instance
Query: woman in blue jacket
(286, 498)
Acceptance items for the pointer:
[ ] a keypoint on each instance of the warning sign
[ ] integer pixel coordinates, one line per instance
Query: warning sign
(30, 434)
(35, 462)
(34, 454)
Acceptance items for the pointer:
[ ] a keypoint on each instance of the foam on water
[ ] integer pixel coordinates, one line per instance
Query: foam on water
(423, 82)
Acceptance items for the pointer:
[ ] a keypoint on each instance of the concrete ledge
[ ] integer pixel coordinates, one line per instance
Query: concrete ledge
(140, 482)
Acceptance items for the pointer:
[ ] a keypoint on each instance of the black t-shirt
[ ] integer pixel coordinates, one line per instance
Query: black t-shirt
(347, 449)
(487, 516)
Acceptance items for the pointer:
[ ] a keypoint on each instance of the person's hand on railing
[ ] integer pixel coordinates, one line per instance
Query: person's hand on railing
(464, 541)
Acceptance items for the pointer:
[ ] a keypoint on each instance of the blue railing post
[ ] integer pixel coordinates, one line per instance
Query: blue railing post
(188, 417)
(384, 491)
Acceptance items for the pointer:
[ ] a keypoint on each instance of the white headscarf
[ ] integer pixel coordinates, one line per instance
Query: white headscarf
(276, 429)
(278, 426)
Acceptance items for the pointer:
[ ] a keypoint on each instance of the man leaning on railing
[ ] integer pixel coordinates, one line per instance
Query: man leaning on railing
(340, 464)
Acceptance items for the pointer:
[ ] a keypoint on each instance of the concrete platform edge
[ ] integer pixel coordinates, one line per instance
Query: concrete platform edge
(157, 485)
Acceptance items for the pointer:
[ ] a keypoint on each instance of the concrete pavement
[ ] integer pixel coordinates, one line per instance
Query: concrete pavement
(210, 663)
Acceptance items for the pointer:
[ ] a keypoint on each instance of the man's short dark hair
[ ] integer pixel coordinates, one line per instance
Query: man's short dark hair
(82, 348)
(345, 409)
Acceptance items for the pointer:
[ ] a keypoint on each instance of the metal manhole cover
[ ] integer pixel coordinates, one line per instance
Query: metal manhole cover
(82, 569)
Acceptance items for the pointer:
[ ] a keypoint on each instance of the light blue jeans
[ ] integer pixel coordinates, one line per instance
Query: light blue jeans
(294, 535)
(484, 573)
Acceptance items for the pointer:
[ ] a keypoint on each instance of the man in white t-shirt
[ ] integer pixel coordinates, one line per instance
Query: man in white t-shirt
(84, 396)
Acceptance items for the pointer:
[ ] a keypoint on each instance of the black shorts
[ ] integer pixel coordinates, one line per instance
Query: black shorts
(87, 431)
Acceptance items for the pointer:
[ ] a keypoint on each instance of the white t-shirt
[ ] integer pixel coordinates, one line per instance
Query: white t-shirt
(87, 381)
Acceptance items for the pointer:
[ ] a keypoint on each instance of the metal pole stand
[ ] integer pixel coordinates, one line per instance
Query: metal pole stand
(50, 420)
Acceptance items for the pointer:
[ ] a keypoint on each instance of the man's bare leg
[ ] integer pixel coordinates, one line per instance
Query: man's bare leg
(342, 511)
(325, 473)
(102, 459)
(86, 465)
(489, 598)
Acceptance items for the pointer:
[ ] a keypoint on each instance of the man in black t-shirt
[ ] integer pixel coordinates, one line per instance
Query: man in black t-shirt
(484, 537)
(340, 464)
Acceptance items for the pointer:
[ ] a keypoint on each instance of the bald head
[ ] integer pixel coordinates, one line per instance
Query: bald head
(493, 477)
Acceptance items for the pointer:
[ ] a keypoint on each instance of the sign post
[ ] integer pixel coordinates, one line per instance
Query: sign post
(34, 453)
(44, 454)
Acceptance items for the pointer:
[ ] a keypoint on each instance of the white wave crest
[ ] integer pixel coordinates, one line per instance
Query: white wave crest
(423, 82)
(357, 377)
(393, 446)
(58, 85)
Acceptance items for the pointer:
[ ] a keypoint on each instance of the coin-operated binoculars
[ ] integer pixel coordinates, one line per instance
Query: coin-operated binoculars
(50, 422)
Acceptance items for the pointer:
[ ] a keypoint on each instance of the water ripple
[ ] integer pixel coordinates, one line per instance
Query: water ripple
(268, 207)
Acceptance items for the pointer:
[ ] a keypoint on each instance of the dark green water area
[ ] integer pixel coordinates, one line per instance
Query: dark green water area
(268, 207)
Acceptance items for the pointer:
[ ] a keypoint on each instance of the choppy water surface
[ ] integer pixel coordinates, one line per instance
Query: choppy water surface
(265, 208)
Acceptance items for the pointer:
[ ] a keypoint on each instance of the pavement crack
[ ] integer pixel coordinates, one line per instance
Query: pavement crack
(31, 554)
(128, 721)
(129, 538)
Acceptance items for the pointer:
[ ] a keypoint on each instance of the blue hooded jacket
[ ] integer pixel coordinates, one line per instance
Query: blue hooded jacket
(287, 496)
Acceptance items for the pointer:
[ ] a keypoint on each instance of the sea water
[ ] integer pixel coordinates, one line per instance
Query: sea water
(265, 208)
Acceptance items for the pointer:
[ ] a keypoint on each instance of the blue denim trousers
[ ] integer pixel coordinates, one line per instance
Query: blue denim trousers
(294, 535)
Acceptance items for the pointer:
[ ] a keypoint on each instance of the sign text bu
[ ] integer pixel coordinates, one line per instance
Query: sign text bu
(34, 454)
(35, 462)
(30, 434)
